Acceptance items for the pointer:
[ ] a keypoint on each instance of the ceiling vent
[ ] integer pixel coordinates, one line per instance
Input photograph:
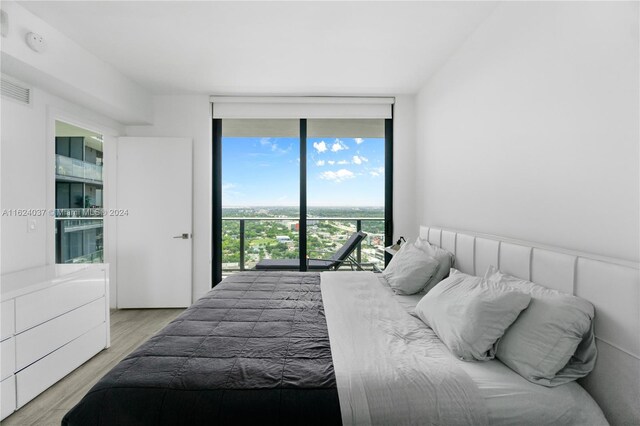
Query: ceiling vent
(16, 92)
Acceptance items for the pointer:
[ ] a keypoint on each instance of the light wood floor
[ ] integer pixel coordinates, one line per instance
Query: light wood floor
(129, 328)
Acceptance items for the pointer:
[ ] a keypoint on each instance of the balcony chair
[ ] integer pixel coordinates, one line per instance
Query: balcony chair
(339, 258)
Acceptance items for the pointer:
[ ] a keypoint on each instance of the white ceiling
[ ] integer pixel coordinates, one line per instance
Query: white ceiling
(310, 48)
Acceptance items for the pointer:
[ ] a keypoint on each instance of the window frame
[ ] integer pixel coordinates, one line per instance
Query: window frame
(216, 208)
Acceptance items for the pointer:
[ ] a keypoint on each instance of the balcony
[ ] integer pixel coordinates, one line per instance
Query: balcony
(247, 240)
(72, 169)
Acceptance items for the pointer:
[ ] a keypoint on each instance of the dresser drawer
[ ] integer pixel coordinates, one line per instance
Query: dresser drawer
(8, 397)
(35, 308)
(39, 341)
(7, 315)
(7, 358)
(40, 375)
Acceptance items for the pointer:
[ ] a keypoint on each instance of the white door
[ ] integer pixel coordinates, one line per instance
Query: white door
(154, 227)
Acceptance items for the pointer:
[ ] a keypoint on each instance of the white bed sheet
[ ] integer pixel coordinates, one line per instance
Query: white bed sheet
(391, 369)
(512, 400)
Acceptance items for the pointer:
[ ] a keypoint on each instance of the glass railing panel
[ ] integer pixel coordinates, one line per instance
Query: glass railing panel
(327, 236)
(64, 166)
(230, 245)
(246, 241)
(261, 239)
(372, 248)
(89, 171)
(94, 172)
(78, 168)
(270, 239)
(320, 238)
(71, 167)
(79, 239)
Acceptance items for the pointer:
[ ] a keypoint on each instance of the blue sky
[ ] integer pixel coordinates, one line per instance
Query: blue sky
(265, 171)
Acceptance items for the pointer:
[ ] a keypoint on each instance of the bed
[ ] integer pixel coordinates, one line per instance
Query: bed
(342, 348)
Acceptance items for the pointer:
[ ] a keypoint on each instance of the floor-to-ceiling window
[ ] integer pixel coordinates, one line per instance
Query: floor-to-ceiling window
(297, 188)
(260, 192)
(346, 187)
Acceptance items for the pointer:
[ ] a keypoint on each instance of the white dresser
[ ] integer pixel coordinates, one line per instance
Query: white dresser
(54, 318)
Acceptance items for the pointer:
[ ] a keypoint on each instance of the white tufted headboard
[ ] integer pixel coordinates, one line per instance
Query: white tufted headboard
(612, 285)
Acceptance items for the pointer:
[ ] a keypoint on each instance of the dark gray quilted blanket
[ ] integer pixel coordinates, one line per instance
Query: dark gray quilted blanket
(254, 350)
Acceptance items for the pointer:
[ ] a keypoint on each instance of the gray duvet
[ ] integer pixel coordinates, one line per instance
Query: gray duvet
(254, 350)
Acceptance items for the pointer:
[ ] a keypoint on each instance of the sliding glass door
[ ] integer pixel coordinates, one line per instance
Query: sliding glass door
(260, 192)
(299, 188)
(345, 187)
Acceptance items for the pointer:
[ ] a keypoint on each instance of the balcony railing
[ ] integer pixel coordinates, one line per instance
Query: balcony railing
(87, 245)
(74, 168)
(330, 232)
(95, 257)
(79, 224)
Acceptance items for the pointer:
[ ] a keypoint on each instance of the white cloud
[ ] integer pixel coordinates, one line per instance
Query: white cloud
(230, 194)
(359, 159)
(338, 145)
(226, 186)
(377, 172)
(359, 140)
(274, 148)
(320, 146)
(339, 176)
(331, 162)
(343, 162)
(320, 163)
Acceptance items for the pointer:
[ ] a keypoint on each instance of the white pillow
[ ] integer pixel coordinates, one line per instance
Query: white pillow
(552, 342)
(409, 270)
(444, 258)
(469, 314)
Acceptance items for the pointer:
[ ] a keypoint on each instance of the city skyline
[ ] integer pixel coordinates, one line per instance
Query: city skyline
(264, 172)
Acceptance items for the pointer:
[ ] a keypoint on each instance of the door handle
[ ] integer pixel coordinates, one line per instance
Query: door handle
(182, 236)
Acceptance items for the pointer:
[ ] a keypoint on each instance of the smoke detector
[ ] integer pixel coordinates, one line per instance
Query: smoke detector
(36, 42)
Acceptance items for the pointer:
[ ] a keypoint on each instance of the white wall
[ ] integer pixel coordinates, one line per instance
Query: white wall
(28, 174)
(531, 129)
(65, 69)
(190, 116)
(404, 170)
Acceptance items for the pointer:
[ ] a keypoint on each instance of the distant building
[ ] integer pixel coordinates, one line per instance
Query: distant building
(292, 226)
(295, 226)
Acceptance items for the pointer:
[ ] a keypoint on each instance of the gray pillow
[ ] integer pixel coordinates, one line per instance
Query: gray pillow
(409, 270)
(469, 314)
(552, 342)
(444, 258)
